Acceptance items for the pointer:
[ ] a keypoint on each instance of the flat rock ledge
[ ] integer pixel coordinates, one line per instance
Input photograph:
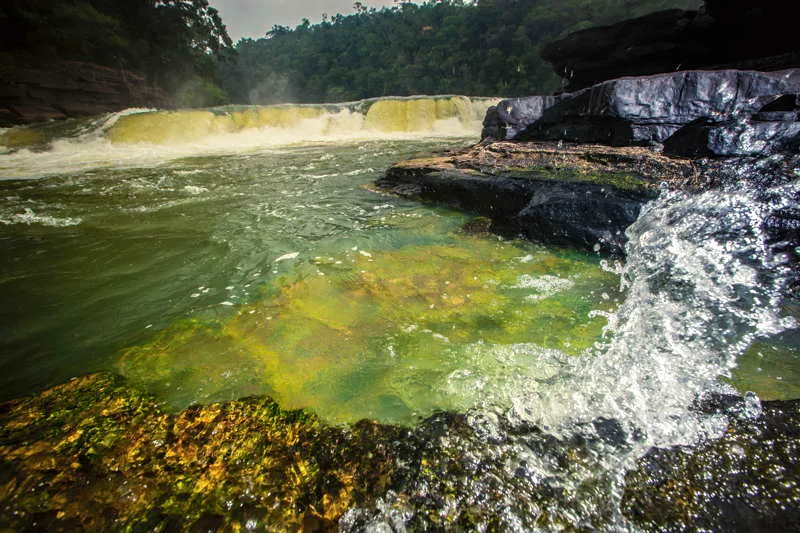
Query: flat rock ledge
(581, 195)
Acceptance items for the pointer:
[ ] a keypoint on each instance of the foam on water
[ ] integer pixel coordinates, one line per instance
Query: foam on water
(28, 217)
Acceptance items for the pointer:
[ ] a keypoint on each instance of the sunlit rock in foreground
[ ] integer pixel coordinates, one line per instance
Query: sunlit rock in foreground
(95, 454)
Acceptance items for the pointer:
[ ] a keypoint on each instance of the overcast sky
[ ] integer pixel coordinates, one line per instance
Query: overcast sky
(253, 18)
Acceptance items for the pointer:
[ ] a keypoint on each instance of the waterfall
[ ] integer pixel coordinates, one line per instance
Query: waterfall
(142, 137)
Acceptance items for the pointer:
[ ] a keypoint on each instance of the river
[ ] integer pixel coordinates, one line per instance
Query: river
(210, 255)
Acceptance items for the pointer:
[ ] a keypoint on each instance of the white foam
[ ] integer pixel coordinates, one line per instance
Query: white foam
(544, 286)
(701, 285)
(92, 150)
(194, 189)
(28, 217)
(286, 257)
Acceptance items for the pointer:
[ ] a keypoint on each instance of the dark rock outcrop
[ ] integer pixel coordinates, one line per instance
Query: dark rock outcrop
(582, 196)
(746, 34)
(745, 481)
(775, 128)
(730, 109)
(66, 89)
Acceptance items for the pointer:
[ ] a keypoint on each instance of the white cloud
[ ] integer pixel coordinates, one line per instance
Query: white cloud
(253, 18)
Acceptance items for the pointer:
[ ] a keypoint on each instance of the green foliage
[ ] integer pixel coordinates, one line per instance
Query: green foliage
(172, 42)
(488, 47)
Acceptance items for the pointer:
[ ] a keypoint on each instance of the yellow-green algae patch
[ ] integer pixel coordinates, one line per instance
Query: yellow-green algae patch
(95, 454)
(625, 181)
(390, 335)
(771, 366)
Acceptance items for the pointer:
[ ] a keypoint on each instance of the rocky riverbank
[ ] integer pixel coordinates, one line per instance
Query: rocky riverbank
(575, 168)
(95, 454)
(70, 89)
(567, 194)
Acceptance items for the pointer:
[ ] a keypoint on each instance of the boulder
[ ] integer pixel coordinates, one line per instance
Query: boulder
(583, 196)
(722, 35)
(648, 110)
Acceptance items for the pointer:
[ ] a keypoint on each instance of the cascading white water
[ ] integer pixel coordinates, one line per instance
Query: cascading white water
(147, 137)
(701, 285)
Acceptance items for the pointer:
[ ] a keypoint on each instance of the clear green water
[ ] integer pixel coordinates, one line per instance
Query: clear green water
(278, 272)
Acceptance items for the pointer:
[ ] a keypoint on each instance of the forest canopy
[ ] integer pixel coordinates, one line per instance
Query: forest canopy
(481, 48)
(488, 48)
(176, 44)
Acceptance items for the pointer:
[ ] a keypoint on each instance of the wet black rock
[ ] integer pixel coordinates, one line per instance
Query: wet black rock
(510, 117)
(728, 112)
(743, 34)
(749, 480)
(583, 197)
(578, 214)
(775, 128)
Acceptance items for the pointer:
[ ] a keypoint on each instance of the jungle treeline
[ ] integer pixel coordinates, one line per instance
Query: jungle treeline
(481, 48)
(489, 47)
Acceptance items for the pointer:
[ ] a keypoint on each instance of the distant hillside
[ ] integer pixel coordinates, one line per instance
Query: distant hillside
(490, 47)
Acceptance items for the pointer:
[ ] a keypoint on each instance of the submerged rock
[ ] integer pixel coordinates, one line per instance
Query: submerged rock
(96, 454)
(582, 196)
(749, 480)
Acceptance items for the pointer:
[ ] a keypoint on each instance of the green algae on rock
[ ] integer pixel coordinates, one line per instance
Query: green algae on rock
(392, 335)
(96, 454)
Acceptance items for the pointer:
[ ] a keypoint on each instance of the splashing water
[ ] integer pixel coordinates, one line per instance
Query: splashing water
(702, 284)
(256, 249)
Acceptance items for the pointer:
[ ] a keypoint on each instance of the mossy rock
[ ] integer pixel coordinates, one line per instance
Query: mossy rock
(95, 454)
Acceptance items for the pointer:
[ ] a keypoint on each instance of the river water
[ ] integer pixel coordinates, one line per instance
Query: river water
(211, 255)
